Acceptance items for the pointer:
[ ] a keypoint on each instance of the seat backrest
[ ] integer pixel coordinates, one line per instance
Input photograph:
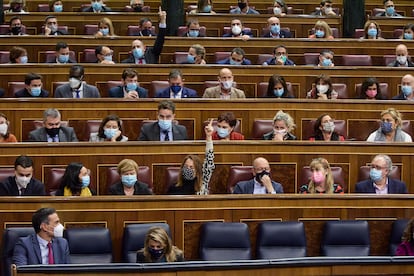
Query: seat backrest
(261, 58)
(134, 239)
(356, 60)
(308, 126)
(90, 29)
(388, 59)
(397, 230)
(342, 90)
(223, 241)
(345, 238)
(157, 85)
(183, 29)
(134, 30)
(89, 245)
(91, 126)
(220, 56)
(237, 174)
(358, 33)
(337, 173)
(130, 9)
(180, 57)
(397, 33)
(383, 88)
(43, 8)
(261, 127)
(10, 237)
(171, 176)
(14, 86)
(280, 239)
(311, 58)
(363, 173)
(53, 179)
(89, 56)
(6, 172)
(144, 175)
(4, 56)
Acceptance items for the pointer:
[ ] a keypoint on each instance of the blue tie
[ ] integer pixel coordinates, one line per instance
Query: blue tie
(77, 94)
(166, 137)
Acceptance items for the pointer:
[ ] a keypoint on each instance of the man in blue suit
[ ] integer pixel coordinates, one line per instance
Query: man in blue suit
(130, 88)
(176, 90)
(379, 182)
(236, 58)
(261, 183)
(46, 246)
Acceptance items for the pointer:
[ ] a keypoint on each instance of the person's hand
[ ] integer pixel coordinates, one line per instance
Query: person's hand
(203, 61)
(107, 62)
(280, 61)
(47, 30)
(132, 95)
(117, 134)
(163, 15)
(245, 37)
(99, 34)
(278, 136)
(267, 182)
(322, 96)
(209, 129)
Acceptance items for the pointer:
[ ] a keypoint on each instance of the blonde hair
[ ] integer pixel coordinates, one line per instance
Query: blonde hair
(108, 22)
(127, 165)
(199, 50)
(158, 234)
(317, 164)
(395, 114)
(322, 24)
(285, 117)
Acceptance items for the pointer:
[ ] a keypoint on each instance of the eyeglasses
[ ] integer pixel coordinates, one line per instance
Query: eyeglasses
(258, 169)
(53, 124)
(372, 166)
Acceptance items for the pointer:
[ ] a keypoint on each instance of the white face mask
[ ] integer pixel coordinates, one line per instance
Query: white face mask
(280, 131)
(322, 88)
(227, 84)
(236, 30)
(277, 10)
(402, 59)
(58, 231)
(74, 83)
(3, 129)
(22, 181)
(328, 10)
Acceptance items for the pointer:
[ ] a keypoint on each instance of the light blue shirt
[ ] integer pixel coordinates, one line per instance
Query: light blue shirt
(44, 250)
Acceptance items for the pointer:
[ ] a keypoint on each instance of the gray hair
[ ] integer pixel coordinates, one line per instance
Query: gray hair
(282, 116)
(387, 160)
(51, 112)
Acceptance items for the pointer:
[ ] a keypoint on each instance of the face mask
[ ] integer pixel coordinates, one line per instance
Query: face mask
(146, 32)
(165, 124)
(402, 59)
(188, 173)
(22, 181)
(131, 86)
(63, 58)
(23, 59)
(58, 231)
(53, 28)
(407, 90)
(193, 33)
(390, 10)
(17, 8)
(108, 58)
(320, 33)
(280, 131)
(322, 88)
(52, 132)
(155, 253)
(318, 177)
(97, 6)
(137, 53)
(3, 129)
(175, 89)
(104, 32)
(207, 8)
(275, 29)
(277, 10)
(328, 10)
(35, 91)
(222, 132)
(371, 93)
(16, 30)
(190, 59)
(375, 175)
(283, 58)
(129, 180)
(386, 127)
(233, 62)
(227, 84)
(242, 5)
(278, 92)
(57, 8)
(372, 32)
(74, 83)
(138, 8)
(328, 127)
(110, 132)
(260, 175)
(86, 180)
(408, 36)
(326, 62)
(236, 30)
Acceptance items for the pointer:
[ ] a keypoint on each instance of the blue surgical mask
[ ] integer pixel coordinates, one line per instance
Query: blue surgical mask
(207, 8)
(190, 59)
(232, 62)
(319, 33)
(222, 132)
(131, 86)
(155, 253)
(407, 90)
(108, 58)
(390, 10)
(408, 36)
(326, 62)
(63, 58)
(372, 32)
(275, 29)
(375, 175)
(36, 91)
(97, 6)
(104, 32)
(193, 33)
(23, 59)
(110, 132)
(129, 180)
(278, 92)
(137, 53)
(175, 88)
(57, 8)
(86, 180)
(165, 124)
(386, 127)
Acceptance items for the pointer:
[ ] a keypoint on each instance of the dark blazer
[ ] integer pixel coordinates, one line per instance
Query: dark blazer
(66, 134)
(151, 132)
(9, 187)
(227, 61)
(282, 34)
(270, 135)
(272, 61)
(140, 189)
(90, 9)
(395, 186)
(27, 251)
(247, 187)
(400, 96)
(186, 93)
(118, 92)
(395, 63)
(230, 34)
(65, 91)
(69, 61)
(141, 258)
(58, 32)
(187, 35)
(23, 93)
(153, 53)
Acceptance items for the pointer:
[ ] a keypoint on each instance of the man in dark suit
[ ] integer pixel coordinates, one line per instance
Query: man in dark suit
(47, 246)
(130, 88)
(402, 59)
(193, 29)
(407, 88)
(97, 6)
(22, 183)
(52, 130)
(275, 31)
(140, 54)
(280, 57)
(236, 58)
(380, 182)
(62, 54)
(176, 90)
(237, 30)
(77, 88)
(52, 26)
(261, 183)
(325, 8)
(33, 87)
(164, 129)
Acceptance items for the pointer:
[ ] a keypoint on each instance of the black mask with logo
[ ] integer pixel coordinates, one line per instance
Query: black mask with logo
(260, 175)
(52, 132)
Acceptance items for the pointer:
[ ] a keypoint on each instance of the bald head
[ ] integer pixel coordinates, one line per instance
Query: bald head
(260, 164)
(401, 50)
(273, 20)
(408, 80)
(138, 44)
(225, 72)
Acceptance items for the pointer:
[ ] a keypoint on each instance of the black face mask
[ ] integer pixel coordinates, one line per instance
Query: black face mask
(260, 175)
(146, 32)
(16, 30)
(16, 8)
(52, 132)
(242, 5)
(137, 8)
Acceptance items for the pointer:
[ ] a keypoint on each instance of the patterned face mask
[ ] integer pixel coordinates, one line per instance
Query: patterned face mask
(188, 173)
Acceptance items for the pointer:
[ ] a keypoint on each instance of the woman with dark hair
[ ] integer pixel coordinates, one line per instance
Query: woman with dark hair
(408, 32)
(370, 90)
(279, 8)
(322, 89)
(75, 181)
(406, 248)
(18, 55)
(324, 130)
(203, 6)
(277, 87)
(109, 130)
(372, 30)
(5, 135)
(226, 122)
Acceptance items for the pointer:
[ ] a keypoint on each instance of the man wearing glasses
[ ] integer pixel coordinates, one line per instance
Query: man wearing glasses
(325, 9)
(104, 55)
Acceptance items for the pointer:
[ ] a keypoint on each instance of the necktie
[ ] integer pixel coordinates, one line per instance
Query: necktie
(166, 137)
(22, 191)
(77, 94)
(50, 254)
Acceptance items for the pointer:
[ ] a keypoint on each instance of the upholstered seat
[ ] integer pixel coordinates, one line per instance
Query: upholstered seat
(397, 230)
(220, 56)
(364, 173)
(311, 58)
(53, 179)
(6, 172)
(15, 86)
(157, 85)
(4, 56)
(261, 127)
(90, 29)
(337, 173)
(89, 56)
(261, 58)
(180, 57)
(237, 174)
(50, 56)
(134, 30)
(171, 176)
(308, 126)
(356, 60)
(341, 89)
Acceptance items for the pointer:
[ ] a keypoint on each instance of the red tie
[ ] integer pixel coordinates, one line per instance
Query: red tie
(51, 259)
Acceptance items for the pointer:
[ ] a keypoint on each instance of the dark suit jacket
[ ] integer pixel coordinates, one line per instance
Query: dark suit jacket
(90, 9)
(140, 189)
(186, 93)
(153, 53)
(227, 61)
(247, 187)
(118, 92)
(66, 134)
(395, 186)
(69, 61)
(151, 132)
(65, 91)
(23, 93)
(9, 188)
(395, 63)
(272, 61)
(27, 251)
(400, 96)
(282, 34)
(271, 134)
(187, 35)
(242, 33)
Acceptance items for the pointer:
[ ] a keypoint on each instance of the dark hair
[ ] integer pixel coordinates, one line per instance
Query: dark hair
(318, 133)
(49, 17)
(70, 179)
(409, 26)
(326, 51)
(14, 18)
(385, 1)
(15, 53)
(76, 69)
(228, 117)
(31, 76)
(129, 73)
(52, 4)
(407, 235)
(238, 51)
(323, 2)
(326, 79)
(61, 45)
(98, 49)
(273, 80)
(369, 82)
(144, 20)
(108, 118)
(279, 46)
(175, 73)
(24, 161)
(198, 167)
(166, 105)
(5, 136)
(41, 216)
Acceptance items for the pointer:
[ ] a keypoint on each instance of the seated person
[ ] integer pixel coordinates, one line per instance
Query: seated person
(280, 57)
(15, 26)
(325, 8)
(275, 31)
(136, 5)
(243, 8)
(62, 54)
(279, 8)
(389, 10)
(390, 129)
(194, 176)
(193, 28)
(407, 88)
(145, 25)
(97, 6)
(164, 129)
(322, 180)
(106, 28)
(326, 58)
(52, 26)
(277, 88)
(322, 89)
(402, 57)
(52, 131)
(158, 248)
(203, 6)
(380, 182)
(22, 183)
(226, 122)
(237, 30)
(406, 247)
(196, 55)
(17, 6)
(176, 90)
(56, 6)
(33, 87)
(408, 32)
(130, 88)
(236, 58)
(370, 90)
(322, 30)
(75, 181)
(110, 130)
(104, 55)
(129, 183)
(324, 130)
(18, 55)
(5, 135)
(76, 87)
(372, 30)
(283, 125)
(262, 182)
(225, 89)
